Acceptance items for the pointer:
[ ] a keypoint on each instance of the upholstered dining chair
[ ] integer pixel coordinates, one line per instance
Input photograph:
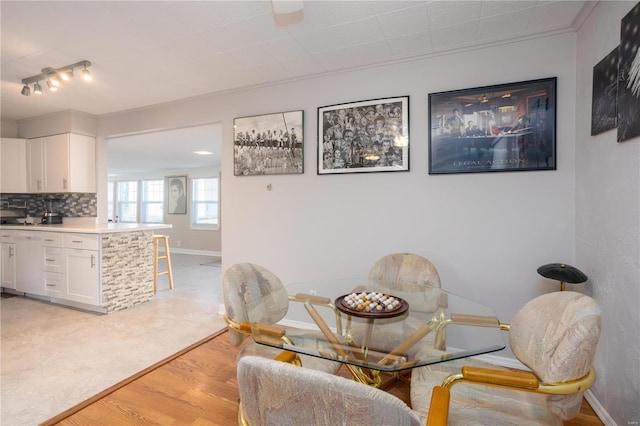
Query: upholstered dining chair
(273, 392)
(398, 269)
(250, 286)
(555, 335)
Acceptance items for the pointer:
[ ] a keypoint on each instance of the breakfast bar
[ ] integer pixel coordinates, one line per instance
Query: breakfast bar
(102, 268)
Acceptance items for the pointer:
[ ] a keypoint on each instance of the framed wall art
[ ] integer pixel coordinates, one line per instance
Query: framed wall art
(365, 136)
(269, 144)
(506, 127)
(177, 194)
(605, 94)
(628, 107)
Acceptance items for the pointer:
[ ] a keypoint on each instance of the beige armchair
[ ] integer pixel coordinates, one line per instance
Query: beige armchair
(398, 270)
(247, 286)
(555, 335)
(409, 267)
(274, 392)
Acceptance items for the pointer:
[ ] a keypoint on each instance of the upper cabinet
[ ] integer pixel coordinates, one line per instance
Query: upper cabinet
(61, 163)
(13, 165)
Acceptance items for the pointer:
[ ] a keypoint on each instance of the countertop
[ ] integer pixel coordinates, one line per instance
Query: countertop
(106, 228)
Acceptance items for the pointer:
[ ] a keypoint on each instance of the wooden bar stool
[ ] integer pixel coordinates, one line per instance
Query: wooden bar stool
(157, 257)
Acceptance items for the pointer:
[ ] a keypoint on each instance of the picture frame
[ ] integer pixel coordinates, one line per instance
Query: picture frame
(628, 95)
(269, 144)
(499, 128)
(604, 103)
(176, 194)
(364, 136)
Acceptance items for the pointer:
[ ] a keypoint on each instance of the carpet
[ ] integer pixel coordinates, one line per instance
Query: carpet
(216, 263)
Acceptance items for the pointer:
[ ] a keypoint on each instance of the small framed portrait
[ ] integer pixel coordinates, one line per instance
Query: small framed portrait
(176, 194)
(364, 136)
(501, 128)
(269, 144)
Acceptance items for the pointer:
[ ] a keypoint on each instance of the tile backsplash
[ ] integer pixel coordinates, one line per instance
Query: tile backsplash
(68, 204)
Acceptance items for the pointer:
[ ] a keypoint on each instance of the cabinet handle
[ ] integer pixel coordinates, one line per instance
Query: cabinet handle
(47, 239)
(93, 261)
(11, 251)
(76, 241)
(64, 183)
(39, 185)
(50, 285)
(50, 260)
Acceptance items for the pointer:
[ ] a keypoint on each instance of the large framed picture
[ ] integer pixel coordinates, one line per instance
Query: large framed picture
(177, 194)
(506, 127)
(269, 144)
(365, 136)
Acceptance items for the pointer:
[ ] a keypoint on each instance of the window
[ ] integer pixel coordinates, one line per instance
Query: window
(136, 201)
(127, 201)
(204, 203)
(152, 206)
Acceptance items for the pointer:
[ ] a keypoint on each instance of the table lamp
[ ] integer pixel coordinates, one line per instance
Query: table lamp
(563, 273)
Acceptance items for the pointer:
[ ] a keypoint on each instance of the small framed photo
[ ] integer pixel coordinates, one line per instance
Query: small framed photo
(365, 136)
(269, 144)
(177, 194)
(506, 127)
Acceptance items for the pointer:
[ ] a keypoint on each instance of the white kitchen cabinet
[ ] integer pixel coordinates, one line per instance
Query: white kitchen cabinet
(61, 163)
(82, 266)
(54, 265)
(35, 165)
(13, 165)
(83, 276)
(8, 260)
(29, 253)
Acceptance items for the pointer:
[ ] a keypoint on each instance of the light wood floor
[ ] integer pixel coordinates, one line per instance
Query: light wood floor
(197, 386)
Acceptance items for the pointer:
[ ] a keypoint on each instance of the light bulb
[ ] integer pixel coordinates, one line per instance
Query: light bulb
(66, 75)
(86, 75)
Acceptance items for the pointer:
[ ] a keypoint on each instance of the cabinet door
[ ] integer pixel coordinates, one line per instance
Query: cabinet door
(82, 163)
(35, 165)
(56, 163)
(13, 165)
(83, 277)
(8, 265)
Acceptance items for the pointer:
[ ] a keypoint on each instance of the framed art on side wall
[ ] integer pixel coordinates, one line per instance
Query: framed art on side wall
(177, 194)
(365, 136)
(268, 144)
(506, 127)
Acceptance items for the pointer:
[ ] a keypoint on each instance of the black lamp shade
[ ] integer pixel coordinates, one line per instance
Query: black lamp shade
(562, 272)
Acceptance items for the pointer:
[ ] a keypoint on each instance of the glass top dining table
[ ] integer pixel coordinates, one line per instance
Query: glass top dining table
(391, 326)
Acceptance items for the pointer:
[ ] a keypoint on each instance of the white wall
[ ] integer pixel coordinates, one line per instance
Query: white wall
(486, 233)
(608, 225)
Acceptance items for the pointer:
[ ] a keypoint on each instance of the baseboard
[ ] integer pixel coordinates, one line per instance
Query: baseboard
(599, 409)
(198, 252)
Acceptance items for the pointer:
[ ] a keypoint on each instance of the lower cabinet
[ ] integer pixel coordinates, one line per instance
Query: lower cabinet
(72, 268)
(8, 265)
(83, 276)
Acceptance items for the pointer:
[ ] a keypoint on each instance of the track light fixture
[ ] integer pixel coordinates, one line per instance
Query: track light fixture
(53, 77)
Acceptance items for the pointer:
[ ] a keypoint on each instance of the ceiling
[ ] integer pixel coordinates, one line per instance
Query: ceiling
(150, 52)
(166, 150)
